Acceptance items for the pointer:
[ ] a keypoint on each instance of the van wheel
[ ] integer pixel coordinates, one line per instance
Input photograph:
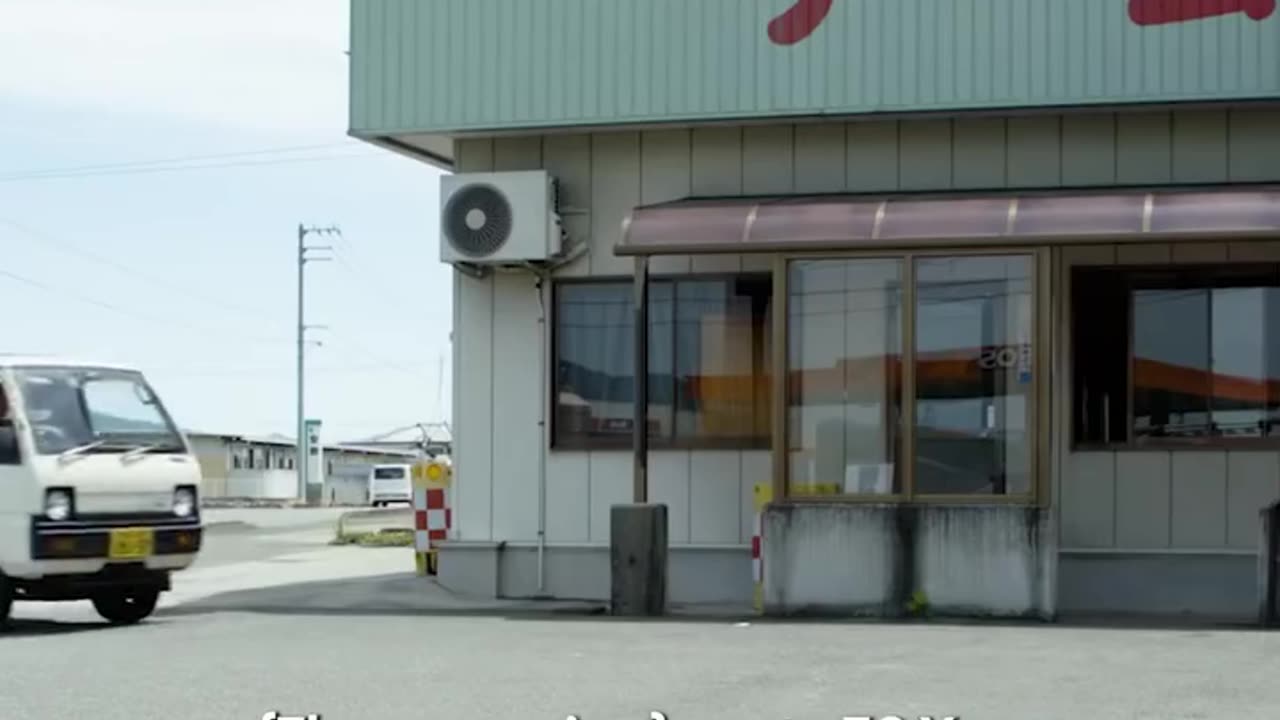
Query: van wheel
(126, 607)
(6, 601)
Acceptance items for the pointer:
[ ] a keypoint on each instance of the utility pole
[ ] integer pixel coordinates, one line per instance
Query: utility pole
(303, 258)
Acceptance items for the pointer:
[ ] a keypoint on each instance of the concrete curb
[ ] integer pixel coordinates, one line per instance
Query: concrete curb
(379, 520)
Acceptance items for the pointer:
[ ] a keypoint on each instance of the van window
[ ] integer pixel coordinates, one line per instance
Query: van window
(9, 454)
(388, 473)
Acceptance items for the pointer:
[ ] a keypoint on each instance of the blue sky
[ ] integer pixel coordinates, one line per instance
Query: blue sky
(189, 273)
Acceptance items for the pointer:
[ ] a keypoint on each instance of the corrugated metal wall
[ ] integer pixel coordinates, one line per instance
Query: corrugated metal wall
(487, 64)
(604, 175)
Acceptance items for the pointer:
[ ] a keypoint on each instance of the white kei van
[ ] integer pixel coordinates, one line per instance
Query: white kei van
(99, 491)
(390, 484)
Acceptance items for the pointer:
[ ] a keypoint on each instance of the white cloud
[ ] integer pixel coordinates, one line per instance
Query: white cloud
(264, 64)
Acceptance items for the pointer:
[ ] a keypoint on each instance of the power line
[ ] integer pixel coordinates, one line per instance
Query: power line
(181, 159)
(170, 323)
(184, 168)
(127, 269)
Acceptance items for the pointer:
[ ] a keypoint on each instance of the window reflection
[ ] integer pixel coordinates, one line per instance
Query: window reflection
(974, 384)
(845, 364)
(708, 362)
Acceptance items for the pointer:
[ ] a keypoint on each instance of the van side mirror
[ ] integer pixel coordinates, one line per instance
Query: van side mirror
(9, 453)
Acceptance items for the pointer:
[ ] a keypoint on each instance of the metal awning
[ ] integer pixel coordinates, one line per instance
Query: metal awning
(828, 222)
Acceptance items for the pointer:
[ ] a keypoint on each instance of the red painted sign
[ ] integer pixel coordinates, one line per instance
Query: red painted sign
(805, 16)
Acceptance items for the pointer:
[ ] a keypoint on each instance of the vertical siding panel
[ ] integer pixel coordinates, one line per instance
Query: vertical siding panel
(715, 497)
(1035, 152)
(669, 485)
(517, 153)
(925, 155)
(768, 160)
(574, 23)
(768, 168)
(717, 170)
(377, 70)
(1206, 252)
(666, 167)
(757, 469)
(426, 34)
(480, 18)
(473, 379)
(1253, 483)
(615, 192)
(610, 485)
(820, 159)
(1255, 145)
(568, 158)
(1199, 512)
(568, 497)
(1143, 147)
(1088, 150)
(872, 163)
(1200, 146)
(980, 159)
(1142, 500)
(515, 401)
(963, 58)
(1088, 502)
(1254, 251)
(1143, 254)
(592, 47)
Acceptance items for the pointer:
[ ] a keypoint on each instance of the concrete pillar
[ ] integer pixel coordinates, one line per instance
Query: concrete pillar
(638, 555)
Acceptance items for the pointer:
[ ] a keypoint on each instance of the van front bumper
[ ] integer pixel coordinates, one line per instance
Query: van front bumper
(89, 538)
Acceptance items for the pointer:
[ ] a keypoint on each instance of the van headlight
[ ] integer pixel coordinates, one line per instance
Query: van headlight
(184, 502)
(57, 504)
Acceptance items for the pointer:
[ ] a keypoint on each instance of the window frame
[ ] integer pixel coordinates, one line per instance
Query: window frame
(1128, 273)
(673, 441)
(1039, 411)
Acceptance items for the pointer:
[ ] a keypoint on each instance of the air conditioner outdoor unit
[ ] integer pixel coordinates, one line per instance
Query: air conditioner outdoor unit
(502, 218)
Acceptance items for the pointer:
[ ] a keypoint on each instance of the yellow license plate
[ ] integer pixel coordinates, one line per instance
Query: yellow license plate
(131, 544)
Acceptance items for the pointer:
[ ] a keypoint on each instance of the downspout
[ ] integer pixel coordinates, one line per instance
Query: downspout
(543, 379)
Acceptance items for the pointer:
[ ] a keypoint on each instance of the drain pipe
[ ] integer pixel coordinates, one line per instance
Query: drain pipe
(539, 285)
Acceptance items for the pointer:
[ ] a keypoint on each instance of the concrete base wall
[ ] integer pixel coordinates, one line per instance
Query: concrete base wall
(697, 574)
(828, 558)
(876, 559)
(1221, 586)
(995, 561)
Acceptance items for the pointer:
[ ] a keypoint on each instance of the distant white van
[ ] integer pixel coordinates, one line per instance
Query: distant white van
(390, 484)
(99, 491)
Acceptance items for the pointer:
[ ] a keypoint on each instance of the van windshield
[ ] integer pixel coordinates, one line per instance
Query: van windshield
(97, 410)
(388, 473)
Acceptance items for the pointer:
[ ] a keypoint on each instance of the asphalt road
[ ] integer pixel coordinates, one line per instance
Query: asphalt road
(239, 654)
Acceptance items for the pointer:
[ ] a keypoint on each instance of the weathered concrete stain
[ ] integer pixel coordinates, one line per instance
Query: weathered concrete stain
(870, 559)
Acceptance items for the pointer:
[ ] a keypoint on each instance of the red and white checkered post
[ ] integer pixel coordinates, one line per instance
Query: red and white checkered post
(762, 493)
(432, 519)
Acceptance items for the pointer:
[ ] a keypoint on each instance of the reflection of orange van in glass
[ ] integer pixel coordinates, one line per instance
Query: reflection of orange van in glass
(98, 488)
(390, 484)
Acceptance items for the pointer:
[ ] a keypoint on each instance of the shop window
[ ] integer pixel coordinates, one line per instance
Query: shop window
(971, 382)
(844, 363)
(1176, 354)
(708, 362)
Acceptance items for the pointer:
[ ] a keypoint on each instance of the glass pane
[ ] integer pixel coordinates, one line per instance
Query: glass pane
(1171, 380)
(974, 360)
(721, 332)
(844, 346)
(1240, 373)
(595, 362)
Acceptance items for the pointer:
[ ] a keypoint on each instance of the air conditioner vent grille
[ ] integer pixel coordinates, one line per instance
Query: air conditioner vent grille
(478, 220)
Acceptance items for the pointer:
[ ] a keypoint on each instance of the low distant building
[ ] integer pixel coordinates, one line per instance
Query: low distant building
(265, 467)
